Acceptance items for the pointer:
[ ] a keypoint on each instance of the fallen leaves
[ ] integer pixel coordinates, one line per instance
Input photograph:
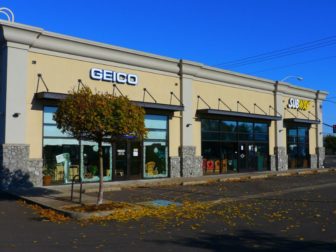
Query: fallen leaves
(44, 213)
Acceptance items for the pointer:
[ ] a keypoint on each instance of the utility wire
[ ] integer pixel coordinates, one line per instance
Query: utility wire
(295, 64)
(330, 101)
(328, 41)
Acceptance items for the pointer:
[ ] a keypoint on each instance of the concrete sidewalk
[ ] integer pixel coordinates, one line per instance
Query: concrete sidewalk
(58, 197)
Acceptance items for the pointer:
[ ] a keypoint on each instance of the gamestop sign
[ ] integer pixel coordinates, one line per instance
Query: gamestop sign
(294, 103)
(111, 76)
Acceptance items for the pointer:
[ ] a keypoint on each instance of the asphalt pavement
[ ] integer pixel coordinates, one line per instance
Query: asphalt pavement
(295, 213)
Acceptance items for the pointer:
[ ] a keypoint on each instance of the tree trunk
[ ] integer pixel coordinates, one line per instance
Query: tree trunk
(101, 173)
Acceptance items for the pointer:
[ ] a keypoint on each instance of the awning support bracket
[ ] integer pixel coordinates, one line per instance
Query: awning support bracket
(80, 83)
(302, 114)
(276, 112)
(314, 116)
(239, 103)
(173, 95)
(40, 78)
(113, 91)
(200, 98)
(221, 101)
(144, 94)
(290, 113)
(256, 105)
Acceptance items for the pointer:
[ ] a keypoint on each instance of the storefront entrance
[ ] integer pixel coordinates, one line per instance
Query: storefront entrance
(128, 160)
(298, 146)
(234, 146)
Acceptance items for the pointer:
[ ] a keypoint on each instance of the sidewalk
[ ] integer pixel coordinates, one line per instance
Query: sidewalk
(205, 188)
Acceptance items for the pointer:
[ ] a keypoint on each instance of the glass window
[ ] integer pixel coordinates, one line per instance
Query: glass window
(91, 161)
(298, 147)
(155, 122)
(210, 125)
(48, 114)
(245, 127)
(61, 153)
(227, 136)
(155, 147)
(261, 128)
(210, 135)
(155, 159)
(53, 131)
(157, 134)
(228, 126)
(220, 141)
(261, 137)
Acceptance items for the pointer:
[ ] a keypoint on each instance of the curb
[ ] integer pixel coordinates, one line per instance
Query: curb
(86, 215)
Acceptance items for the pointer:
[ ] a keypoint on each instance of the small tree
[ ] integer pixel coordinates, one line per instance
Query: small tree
(99, 118)
(330, 144)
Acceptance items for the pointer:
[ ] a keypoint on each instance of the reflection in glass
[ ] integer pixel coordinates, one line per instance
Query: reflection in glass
(221, 146)
(298, 146)
(155, 147)
(155, 160)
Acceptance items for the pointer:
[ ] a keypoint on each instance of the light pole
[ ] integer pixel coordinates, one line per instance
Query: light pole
(8, 13)
(299, 78)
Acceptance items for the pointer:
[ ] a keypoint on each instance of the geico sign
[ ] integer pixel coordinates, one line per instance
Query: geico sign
(298, 104)
(110, 76)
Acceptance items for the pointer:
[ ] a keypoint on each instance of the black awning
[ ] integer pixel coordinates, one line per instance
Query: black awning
(51, 96)
(237, 114)
(298, 120)
(159, 106)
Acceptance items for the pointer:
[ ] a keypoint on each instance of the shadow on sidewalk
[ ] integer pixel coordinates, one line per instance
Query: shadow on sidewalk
(246, 240)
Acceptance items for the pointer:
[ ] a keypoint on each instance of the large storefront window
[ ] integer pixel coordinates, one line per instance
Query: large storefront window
(62, 154)
(125, 159)
(298, 147)
(156, 146)
(232, 146)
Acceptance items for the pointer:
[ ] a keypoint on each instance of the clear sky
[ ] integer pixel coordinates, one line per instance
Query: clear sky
(207, 31)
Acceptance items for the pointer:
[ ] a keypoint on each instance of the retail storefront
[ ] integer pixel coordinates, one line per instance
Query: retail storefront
(201, 120)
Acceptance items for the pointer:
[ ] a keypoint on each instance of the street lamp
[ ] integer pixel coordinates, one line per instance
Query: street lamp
(299, 78)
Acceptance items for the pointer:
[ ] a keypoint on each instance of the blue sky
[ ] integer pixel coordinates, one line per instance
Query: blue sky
(210, 32)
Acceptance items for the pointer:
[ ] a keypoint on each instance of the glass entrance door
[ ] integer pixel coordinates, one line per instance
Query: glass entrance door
(242, 157)
(128, 160)
(252, 157)
(121, 158)
(135, 160)
(298, 147)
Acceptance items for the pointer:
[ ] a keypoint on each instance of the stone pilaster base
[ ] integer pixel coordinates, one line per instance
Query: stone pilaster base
(320, 152)
(16, 169)
(281, 158)
(191, 165)
(273, 162)
(313, 161)
(175, 167)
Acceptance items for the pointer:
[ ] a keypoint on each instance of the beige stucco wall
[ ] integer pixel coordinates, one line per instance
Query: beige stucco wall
(312, 139)
(310, 112)
(61, 75)
(174, 134)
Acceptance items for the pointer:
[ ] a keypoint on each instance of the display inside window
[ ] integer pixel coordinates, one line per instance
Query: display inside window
(298, 147)
(62, 154)
(155, 147)
(231, 146)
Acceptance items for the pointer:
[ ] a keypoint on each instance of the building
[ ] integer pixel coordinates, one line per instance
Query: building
(201, 120)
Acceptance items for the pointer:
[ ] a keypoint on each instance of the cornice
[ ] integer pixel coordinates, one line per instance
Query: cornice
(288, 89)
(36, 38)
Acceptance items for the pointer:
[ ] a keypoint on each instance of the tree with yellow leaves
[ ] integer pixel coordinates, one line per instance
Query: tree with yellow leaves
(99, 117)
